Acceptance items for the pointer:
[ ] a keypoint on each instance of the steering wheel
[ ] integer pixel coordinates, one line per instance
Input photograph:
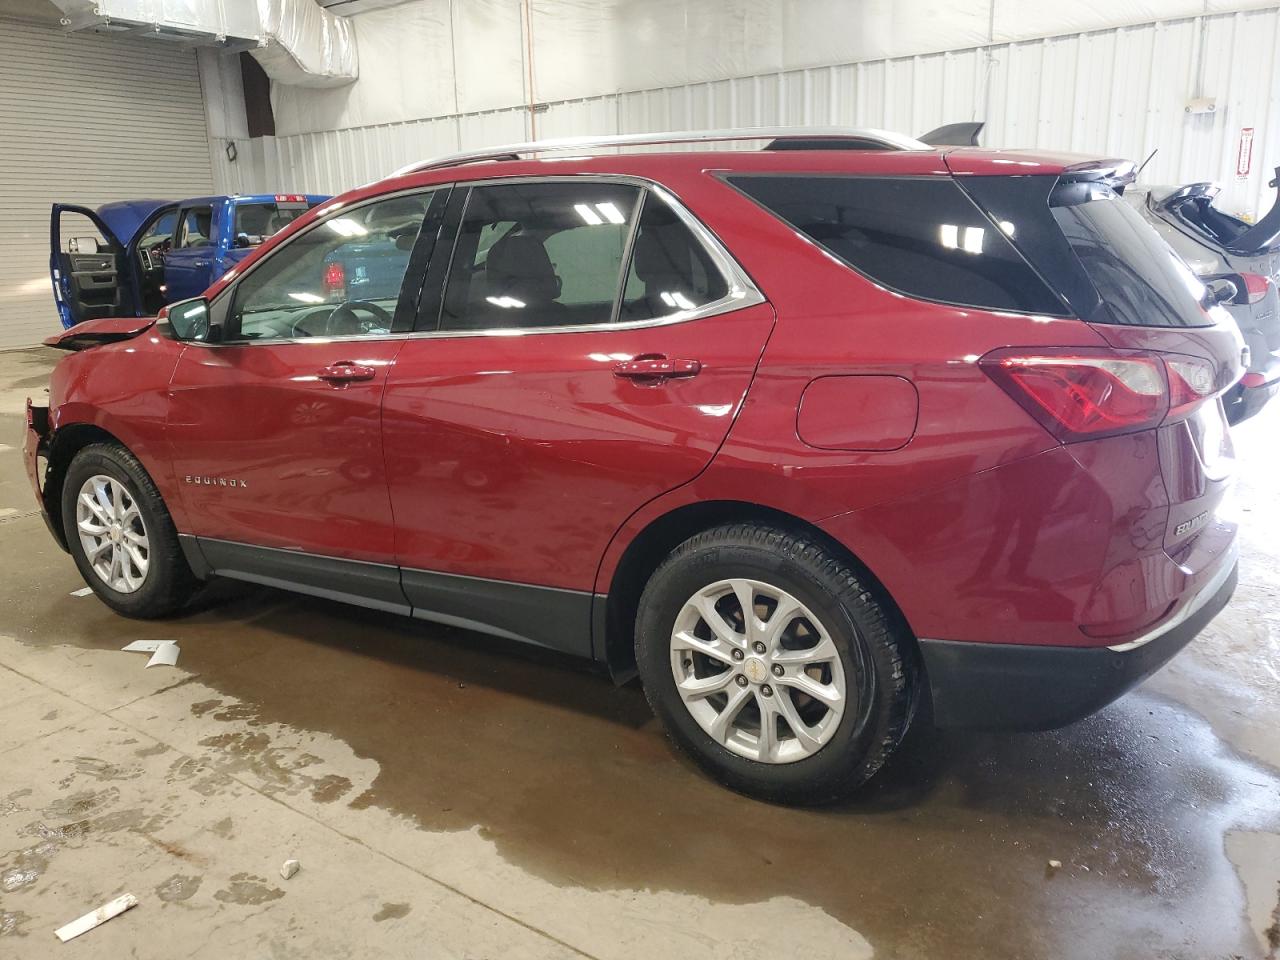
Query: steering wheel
(345, 316)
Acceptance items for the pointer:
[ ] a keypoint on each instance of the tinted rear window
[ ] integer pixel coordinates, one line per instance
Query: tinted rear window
(1140, 280)
(919, 236)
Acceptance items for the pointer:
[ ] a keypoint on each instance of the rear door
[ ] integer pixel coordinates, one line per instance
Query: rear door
(88, 265)
(590, 350)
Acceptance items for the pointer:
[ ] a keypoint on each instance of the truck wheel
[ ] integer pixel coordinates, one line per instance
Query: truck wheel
(772, 665)
(121, 535)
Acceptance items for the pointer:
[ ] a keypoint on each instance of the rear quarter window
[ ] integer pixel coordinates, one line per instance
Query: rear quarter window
(922, 237)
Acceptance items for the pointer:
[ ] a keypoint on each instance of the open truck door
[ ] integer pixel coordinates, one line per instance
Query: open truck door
(92, 259)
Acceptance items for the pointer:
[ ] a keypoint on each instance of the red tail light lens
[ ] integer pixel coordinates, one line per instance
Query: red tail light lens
(1084, 394)
(1255, 287)
(335, 279)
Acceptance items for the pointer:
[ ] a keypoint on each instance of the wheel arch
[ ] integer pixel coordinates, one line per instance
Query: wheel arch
(65, 443)
(616, 615)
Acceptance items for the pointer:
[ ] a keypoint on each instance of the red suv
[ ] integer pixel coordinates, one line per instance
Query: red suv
(810, 436)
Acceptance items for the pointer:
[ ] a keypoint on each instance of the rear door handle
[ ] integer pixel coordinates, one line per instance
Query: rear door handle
(655, 368)
(346, 371)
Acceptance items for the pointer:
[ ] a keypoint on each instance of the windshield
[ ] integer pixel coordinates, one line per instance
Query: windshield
(1140, 279)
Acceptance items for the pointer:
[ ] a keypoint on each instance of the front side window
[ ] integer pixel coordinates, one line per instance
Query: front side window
(197, 227)
(919, 236)
(342, 277)
(539, 255)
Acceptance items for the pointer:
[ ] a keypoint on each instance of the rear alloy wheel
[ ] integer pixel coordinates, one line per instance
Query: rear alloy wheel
(758, 671)
(772, 665)
(121, 535)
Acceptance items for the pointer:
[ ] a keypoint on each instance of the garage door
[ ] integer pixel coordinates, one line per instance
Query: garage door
(85, 119)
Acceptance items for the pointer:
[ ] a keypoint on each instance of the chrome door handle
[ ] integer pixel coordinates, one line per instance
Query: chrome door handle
(655, 368)
(345, 371)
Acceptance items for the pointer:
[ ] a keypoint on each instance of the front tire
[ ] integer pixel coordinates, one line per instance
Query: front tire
(799, 701)
(121, 536)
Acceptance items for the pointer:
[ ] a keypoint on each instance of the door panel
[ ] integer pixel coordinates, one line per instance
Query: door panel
(91, 282)
(517, 457)
(268, 453)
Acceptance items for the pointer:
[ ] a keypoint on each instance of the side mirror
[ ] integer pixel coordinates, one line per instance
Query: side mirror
(82, 245)
(1222, 290)
(245, 240)
(190, 321)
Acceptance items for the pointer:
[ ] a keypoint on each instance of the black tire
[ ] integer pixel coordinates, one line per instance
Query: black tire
(169, 583)
(875, 649)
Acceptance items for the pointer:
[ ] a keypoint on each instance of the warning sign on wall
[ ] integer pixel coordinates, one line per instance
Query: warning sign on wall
(1244, 155)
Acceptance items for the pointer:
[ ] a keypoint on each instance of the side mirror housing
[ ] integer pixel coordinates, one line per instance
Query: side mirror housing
(191, 320)
(1222, 290)
(83, 245)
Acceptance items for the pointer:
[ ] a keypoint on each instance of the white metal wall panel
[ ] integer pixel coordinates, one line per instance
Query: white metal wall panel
(1120, 91)
(87, 120)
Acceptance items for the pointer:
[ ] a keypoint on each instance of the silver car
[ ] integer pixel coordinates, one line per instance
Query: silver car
(1219, 246)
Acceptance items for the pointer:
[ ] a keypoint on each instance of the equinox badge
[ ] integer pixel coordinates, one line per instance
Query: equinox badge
(215, 481)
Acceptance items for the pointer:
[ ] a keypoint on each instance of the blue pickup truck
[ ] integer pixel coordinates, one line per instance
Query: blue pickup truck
(131, 258)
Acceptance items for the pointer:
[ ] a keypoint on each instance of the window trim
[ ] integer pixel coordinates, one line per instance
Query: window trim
(742, 291)
(220, 308)
(724, 177)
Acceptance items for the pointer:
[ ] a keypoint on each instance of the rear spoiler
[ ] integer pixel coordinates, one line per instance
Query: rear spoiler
(1265, 233)
(93, 333)
(1116, 174)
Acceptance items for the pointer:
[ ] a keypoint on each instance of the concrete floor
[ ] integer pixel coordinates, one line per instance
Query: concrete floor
(450, 795)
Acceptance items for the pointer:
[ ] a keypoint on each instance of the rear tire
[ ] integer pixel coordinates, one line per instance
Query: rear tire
(821, 684)
(121, 536)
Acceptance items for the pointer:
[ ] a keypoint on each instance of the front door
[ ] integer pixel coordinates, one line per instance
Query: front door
(276, 429)
(578, 368)
(89, 267)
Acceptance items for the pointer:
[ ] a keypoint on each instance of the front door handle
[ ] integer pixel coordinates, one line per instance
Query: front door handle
(346, 371)
(655, 368)
(203, 263)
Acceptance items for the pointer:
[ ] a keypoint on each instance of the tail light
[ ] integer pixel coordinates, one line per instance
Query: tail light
(335, 280)
(1255, 288)
(1084, 394)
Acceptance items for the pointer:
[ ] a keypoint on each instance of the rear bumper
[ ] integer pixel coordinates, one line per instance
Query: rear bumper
(1021, 687)
(1245, 401)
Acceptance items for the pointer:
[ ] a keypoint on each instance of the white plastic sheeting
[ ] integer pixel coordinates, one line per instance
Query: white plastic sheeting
(304, 45)
(429, 58)
(1120, 92)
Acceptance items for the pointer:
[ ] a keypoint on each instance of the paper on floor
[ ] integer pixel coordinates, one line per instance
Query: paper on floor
(82, 592)
(163, 652)
(90, 920)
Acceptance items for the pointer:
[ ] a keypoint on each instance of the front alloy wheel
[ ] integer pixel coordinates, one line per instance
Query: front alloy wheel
(112, 533)
(116, 526)
(758, 671)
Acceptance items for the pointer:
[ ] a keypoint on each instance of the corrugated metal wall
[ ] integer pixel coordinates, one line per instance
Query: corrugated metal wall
(86, 120)
(1120, 92)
